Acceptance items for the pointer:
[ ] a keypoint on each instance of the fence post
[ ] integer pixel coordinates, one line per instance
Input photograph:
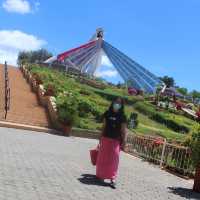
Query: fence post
(163, 153)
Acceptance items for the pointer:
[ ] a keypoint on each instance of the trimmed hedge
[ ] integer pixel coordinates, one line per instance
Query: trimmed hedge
(67, 109)
(160, 117)
(110, 96)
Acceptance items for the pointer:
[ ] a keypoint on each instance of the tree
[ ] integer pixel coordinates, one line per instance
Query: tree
(195, 146)
(23, 57)
(195, 94)
(99, 79)
(193, 142)
(33, 56)
(43, 55)
(183, 91)
(119, 85)
(169, 81)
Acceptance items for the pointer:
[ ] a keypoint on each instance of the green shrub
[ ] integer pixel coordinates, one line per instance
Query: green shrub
(86, 124)
(144, 108)
(67, 109)
(160, 117)
(84, 107)
(194, 142)
(85, 91)
(89, 124)
(98, 113)
(87, 106)
(110, 96)
(172, 124)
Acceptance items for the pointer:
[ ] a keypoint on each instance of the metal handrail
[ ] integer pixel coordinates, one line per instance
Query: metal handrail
(160, 152)
(7, 91)
(8, 98)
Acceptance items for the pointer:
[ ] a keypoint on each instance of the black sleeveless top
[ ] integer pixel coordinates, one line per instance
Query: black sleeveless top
(113, 124)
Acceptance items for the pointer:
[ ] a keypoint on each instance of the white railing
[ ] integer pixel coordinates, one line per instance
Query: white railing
(176, 158)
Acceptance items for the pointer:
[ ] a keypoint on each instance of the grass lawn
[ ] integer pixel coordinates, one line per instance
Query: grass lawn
(149, 127)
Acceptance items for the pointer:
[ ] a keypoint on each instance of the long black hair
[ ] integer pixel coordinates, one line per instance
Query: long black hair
(121, 110)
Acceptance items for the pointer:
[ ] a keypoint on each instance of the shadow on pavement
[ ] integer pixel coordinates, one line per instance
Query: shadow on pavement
(184, 192)
(90, 179)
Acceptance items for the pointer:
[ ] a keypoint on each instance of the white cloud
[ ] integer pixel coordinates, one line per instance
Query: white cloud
(9, 56)
(106, 73)
(19, 6)
(37, 4)
(11, 42)
(105, 61)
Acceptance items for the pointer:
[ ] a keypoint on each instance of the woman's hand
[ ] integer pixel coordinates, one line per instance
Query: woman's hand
(123, 146)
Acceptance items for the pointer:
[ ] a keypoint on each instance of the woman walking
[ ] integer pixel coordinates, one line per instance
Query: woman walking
(112, 140)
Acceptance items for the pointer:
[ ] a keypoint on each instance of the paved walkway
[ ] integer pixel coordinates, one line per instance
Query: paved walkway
(39, 166)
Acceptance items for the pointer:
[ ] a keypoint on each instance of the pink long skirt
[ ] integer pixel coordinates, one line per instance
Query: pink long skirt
(108, 158)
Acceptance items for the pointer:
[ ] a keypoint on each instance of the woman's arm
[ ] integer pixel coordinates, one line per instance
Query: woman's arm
(124, 135)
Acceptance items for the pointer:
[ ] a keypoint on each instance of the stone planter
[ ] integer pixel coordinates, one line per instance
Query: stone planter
(52, 109)
(22, 68)
(41, 96)
(30, 78)
(34, 85)
(27, 76)
(52, 106)
(25, 73)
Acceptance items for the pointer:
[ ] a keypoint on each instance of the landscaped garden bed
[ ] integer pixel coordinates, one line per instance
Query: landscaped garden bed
(91, 103)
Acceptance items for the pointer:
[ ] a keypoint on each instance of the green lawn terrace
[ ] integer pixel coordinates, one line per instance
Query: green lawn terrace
(93, 98)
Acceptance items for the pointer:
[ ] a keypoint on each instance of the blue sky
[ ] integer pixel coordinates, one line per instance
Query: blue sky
(163, 36)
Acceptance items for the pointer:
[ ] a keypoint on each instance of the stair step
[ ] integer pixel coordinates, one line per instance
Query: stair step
(24, 105)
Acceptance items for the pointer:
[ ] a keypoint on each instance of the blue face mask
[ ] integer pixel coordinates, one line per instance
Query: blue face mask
(117, 106)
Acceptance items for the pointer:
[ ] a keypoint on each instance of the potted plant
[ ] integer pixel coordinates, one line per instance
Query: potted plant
(50, 90)
(37, 78)
(67, 112)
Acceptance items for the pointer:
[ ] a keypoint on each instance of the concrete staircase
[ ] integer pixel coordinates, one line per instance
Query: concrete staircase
(24, 105)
